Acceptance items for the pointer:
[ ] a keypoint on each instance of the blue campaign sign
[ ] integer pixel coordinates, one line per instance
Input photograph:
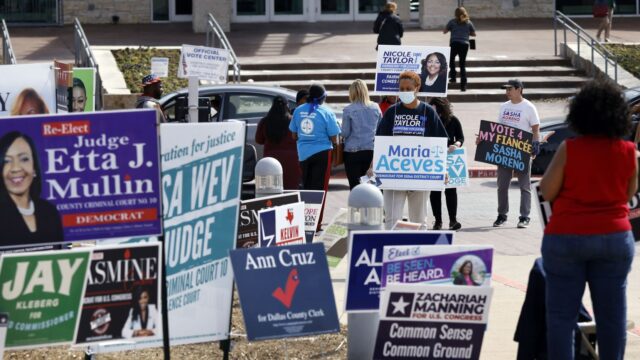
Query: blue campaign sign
(365, 262)
(285, 291)
(313, 200)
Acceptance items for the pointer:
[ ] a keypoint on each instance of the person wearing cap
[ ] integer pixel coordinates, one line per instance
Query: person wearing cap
(315, 129)
(151, 92)
(520, 113)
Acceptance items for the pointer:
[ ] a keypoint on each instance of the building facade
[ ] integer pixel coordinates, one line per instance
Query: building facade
(245, 11)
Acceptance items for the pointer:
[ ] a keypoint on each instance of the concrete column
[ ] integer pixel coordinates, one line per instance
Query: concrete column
(221, 10)
(404, 10)
(434, 14)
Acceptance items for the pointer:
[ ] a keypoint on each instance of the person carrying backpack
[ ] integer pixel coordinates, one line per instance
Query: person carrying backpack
(388, 26)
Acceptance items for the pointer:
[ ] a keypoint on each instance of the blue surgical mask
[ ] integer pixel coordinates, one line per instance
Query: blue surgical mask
(407, 97)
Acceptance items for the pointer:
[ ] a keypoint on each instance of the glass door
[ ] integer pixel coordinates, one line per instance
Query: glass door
(248, 11)
(181, 10)
(369, 9)
(288, 10)
(334, 10)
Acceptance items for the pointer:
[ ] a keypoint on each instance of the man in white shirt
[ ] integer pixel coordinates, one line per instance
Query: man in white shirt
(520, 113)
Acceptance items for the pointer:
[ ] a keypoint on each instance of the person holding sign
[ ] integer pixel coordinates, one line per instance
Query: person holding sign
(520, 113)
(588, 238)
(410, 117)
(26, 218)
(456, 138)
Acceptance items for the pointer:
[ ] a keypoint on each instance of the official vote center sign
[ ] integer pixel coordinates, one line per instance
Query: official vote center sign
(410, 162)
(285, 291)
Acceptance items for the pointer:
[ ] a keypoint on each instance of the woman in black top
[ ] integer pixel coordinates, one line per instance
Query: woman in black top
(388, 26)
(456, 138)
(26, 218)
(394, 123)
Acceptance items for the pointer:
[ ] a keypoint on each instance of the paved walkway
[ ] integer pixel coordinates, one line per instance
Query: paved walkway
(326, 41)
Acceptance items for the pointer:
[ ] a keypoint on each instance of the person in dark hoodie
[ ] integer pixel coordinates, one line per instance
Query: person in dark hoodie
(388, 26)
(151, 92)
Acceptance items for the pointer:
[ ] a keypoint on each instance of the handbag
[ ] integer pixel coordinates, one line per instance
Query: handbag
(472, 44)
(600, 10)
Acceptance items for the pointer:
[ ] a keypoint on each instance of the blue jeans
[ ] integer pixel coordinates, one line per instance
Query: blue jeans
(603, 261)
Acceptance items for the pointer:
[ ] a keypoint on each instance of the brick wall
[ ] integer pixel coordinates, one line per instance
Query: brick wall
(101, 11)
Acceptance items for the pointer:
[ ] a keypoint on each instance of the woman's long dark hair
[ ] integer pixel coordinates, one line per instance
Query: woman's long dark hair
(36, 184)
(465, 264)
(443, 108)
(444, 68)
(277, 120)
(135, 304)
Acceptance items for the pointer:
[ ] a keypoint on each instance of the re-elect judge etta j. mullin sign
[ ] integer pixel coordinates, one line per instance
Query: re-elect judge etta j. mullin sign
(89, 176)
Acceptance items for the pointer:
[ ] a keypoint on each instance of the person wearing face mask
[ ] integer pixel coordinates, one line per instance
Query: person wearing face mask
(430, 125)
(26, 218)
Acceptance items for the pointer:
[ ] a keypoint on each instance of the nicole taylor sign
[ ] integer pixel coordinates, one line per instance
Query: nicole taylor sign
(410, 162)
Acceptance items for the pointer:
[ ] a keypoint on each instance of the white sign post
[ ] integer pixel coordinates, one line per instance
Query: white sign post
(201, 62)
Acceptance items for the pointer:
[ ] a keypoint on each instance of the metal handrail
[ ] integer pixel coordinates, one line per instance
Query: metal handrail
(220, 40)
(8, 56)
(84, 58)
(581, 35)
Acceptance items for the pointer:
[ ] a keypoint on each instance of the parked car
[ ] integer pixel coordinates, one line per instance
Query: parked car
(248, 103)
(556, 131)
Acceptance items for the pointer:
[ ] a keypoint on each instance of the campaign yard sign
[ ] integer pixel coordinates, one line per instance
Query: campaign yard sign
(505, 146)
(457, 169)
(27, 89)
(436, 264)
(201, 182)
(410, 162)
(90, 176)
(64, 82)
(122, 299)
(432, 322)
(42, 293)
(160, 66)
(313, 200)
(281, 225)
(334, 237)
(248, 221)
(285, 291)
(429, 62)
(204, 63)
(365, 262)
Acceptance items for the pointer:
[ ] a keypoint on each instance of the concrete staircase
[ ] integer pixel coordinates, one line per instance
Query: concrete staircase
(544, 78)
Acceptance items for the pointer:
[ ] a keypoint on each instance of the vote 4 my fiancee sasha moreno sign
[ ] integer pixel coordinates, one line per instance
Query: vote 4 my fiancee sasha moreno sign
(505, 146)
(410, 162)
(83, 176)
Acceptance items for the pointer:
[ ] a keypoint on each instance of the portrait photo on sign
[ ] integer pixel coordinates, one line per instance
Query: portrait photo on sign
(431, 63)
(27, 218)
(469, 270)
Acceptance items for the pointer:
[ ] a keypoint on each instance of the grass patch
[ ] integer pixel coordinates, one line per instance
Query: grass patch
(628, 57)
(135, 63)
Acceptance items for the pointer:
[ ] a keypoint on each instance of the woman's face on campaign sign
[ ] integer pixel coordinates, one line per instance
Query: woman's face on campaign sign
(29, 107)
(466, 269)
(79, 99)
(433, 65)
(144, 300)
(18, 169)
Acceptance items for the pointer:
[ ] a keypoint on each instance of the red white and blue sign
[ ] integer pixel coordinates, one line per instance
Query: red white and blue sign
(285, 291)
(365, 262)
(281, 225)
